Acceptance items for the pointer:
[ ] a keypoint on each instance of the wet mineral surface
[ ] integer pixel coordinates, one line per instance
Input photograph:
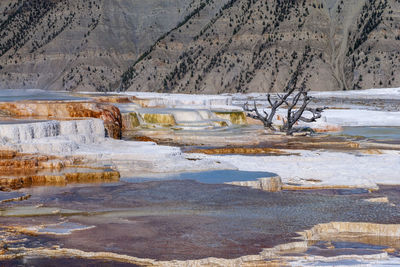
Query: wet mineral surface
(178, 220)
(66, 211)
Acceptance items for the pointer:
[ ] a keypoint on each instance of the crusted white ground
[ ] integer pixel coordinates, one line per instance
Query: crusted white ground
(381, 93)
(85, 139)
(362, 116)
(332, 168)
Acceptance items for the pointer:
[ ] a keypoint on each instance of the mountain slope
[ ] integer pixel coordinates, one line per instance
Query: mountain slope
(202, 46)
(69, 45)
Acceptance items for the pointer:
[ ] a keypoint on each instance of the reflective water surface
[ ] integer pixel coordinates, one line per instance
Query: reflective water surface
(207, 177)
(374, 133)
(34, 94)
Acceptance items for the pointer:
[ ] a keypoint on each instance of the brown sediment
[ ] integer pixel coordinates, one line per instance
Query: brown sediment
(144, 139)
(312, 180)
(258, 142)
(277, 148)
(22, 198)
(7, 154)
(241, 150)
(371, 151)
(328, 128)
(146, 103)
(112, 99)
(110, 114)
(15, 162)
(306, 144)
(59, 179)
(252, 121)
(18, 170)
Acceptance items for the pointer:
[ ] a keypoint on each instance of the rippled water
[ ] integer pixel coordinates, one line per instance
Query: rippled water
(376, 133)
(207, 177)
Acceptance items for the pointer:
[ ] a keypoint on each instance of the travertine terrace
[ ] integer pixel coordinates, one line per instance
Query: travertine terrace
(182, 180)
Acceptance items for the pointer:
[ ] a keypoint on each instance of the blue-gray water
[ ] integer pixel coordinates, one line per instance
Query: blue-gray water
(11, 95)
(206, 177)
(376, 133)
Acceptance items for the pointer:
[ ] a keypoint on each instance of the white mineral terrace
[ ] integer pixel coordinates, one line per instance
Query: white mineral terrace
(321, 168)
(381, 93)
(85, 138)
(355, 117)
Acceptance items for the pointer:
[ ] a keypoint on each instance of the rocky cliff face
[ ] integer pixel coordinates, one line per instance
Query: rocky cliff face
(199, 46)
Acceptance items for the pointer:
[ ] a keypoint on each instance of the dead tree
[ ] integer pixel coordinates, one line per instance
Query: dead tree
(266, 119)
(293, 115)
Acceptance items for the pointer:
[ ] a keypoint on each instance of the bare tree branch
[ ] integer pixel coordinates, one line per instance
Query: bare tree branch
(266, 120)
(316, 114)
(293, 114)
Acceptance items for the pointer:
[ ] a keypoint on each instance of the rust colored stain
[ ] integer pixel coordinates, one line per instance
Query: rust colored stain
(19, 170)
(64, 110)
(144, 139)
(113, 99)
(241, 150)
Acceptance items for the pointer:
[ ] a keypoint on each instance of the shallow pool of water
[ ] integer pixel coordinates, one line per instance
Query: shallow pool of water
(63, 228)
(34, 94)
(375, 133)
(207, 177)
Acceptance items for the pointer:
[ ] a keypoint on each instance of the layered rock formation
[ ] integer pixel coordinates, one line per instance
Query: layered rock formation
(66, 110)
(19, 170)
(270, 184)
(85, 140)
(198, 46)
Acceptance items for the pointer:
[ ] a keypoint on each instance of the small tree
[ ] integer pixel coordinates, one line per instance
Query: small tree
(293, 114)
(295, 95)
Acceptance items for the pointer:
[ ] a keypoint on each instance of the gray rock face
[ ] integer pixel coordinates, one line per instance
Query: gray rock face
(198, 46)
(86, 45)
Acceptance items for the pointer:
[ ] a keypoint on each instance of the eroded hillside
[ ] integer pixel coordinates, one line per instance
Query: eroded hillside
(198, 46)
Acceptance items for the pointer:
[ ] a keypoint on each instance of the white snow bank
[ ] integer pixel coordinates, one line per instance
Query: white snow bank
(332, 168)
